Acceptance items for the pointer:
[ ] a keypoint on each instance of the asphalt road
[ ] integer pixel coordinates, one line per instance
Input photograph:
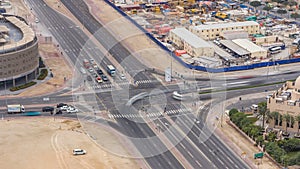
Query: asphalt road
(73, 41)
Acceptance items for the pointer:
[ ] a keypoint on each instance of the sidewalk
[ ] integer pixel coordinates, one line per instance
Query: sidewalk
(233, 139)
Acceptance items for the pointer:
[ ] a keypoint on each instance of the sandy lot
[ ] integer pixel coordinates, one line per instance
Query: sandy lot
(34, 143)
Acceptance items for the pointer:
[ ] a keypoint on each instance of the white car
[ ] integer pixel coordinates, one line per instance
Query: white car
(79, 151)
(64, 108)
(91, 70)
(72, 110)
(122, 76)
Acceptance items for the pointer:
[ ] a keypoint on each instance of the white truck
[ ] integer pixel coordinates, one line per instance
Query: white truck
(16, 108)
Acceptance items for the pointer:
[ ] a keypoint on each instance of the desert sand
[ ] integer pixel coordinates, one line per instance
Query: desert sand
(47, 143)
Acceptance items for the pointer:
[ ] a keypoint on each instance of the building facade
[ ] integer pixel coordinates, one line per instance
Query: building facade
(213, 31)
(286, 101)
(254, 50)
(19, 57)
(191, 43)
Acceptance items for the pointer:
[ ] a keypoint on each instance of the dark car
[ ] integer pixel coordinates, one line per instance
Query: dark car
(61, 105)
(58, 112)
(100, 72)
(89, 78)
(104, 78)
(47, 109)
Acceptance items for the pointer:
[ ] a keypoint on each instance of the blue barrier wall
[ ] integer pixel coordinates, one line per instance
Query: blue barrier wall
(201, 68)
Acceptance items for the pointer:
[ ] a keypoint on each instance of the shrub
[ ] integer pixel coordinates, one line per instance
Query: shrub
(232, 112)
(43, 74)
(26, 85)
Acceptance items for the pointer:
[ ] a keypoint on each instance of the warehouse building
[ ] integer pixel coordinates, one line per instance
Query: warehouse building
(255, 51)
(237, 50)
(191, 43)
(19, 58)
(234, 34)
(213, 31)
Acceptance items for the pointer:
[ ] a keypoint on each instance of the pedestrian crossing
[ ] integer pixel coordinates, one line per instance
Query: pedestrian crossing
(121, 84)
(149, 115)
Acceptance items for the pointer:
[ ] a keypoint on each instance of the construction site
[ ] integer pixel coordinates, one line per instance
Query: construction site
(212, 22)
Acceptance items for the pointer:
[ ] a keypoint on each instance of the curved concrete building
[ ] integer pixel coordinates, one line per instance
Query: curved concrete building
(19, 58)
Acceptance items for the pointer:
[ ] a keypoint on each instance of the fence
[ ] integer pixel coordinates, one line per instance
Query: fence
(202, 68)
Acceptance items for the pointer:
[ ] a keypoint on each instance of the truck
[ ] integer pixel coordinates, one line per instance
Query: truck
(16, 108)
(111, 70)
(86, 63)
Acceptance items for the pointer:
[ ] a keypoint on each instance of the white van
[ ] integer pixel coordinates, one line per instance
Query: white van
(79, 152)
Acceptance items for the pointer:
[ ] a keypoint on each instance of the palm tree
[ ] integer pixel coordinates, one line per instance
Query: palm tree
(287, 118)
(298, 121)
(263, 112)
(274, 116)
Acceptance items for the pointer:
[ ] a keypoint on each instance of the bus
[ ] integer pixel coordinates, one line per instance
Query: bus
(274, 50)
(111, 70)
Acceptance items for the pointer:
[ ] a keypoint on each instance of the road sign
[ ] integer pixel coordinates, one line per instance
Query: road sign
(258, 155)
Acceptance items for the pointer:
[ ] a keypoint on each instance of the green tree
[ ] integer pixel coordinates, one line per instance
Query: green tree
(254, 132)
(246, 129)
(274, 116)
(272, 136)
(259, 140)
(232, 112)
(275, 151)
(286, 117)
(291, 145)
(263, 112)
(298, 121)
(255, 4)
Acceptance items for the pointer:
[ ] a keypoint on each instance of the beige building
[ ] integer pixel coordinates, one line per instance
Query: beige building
(210, 32)
(254, 50)
(19, 57)
(286, 101)
(191, 43)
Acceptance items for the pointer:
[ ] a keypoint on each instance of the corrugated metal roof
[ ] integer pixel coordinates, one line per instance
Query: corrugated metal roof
(190, 38)
(224, 25)
(248, 45)
(234, 47)
(221, 52)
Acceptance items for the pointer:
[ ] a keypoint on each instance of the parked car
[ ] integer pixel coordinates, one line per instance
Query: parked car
(89, 78)
(104, 78)
(79, 152)
(122, 76)
(91, 70)
(99, 80)
(64, 108)
(58, 111)
(47, 109)
(82, 70)
(72, 110)
(95, 74)
(100, 72)
(61, 104)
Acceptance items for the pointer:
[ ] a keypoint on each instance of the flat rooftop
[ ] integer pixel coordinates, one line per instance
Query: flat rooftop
(190, 38)
(224, 25)
(234, 47)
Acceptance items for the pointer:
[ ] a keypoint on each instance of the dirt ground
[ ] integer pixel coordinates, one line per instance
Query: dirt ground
(58, 67)
(39, 142)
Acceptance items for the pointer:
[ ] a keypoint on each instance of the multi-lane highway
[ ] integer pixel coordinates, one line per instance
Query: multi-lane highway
(210, 154)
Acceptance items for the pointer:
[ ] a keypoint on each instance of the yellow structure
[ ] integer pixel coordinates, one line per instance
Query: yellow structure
(286, 101)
